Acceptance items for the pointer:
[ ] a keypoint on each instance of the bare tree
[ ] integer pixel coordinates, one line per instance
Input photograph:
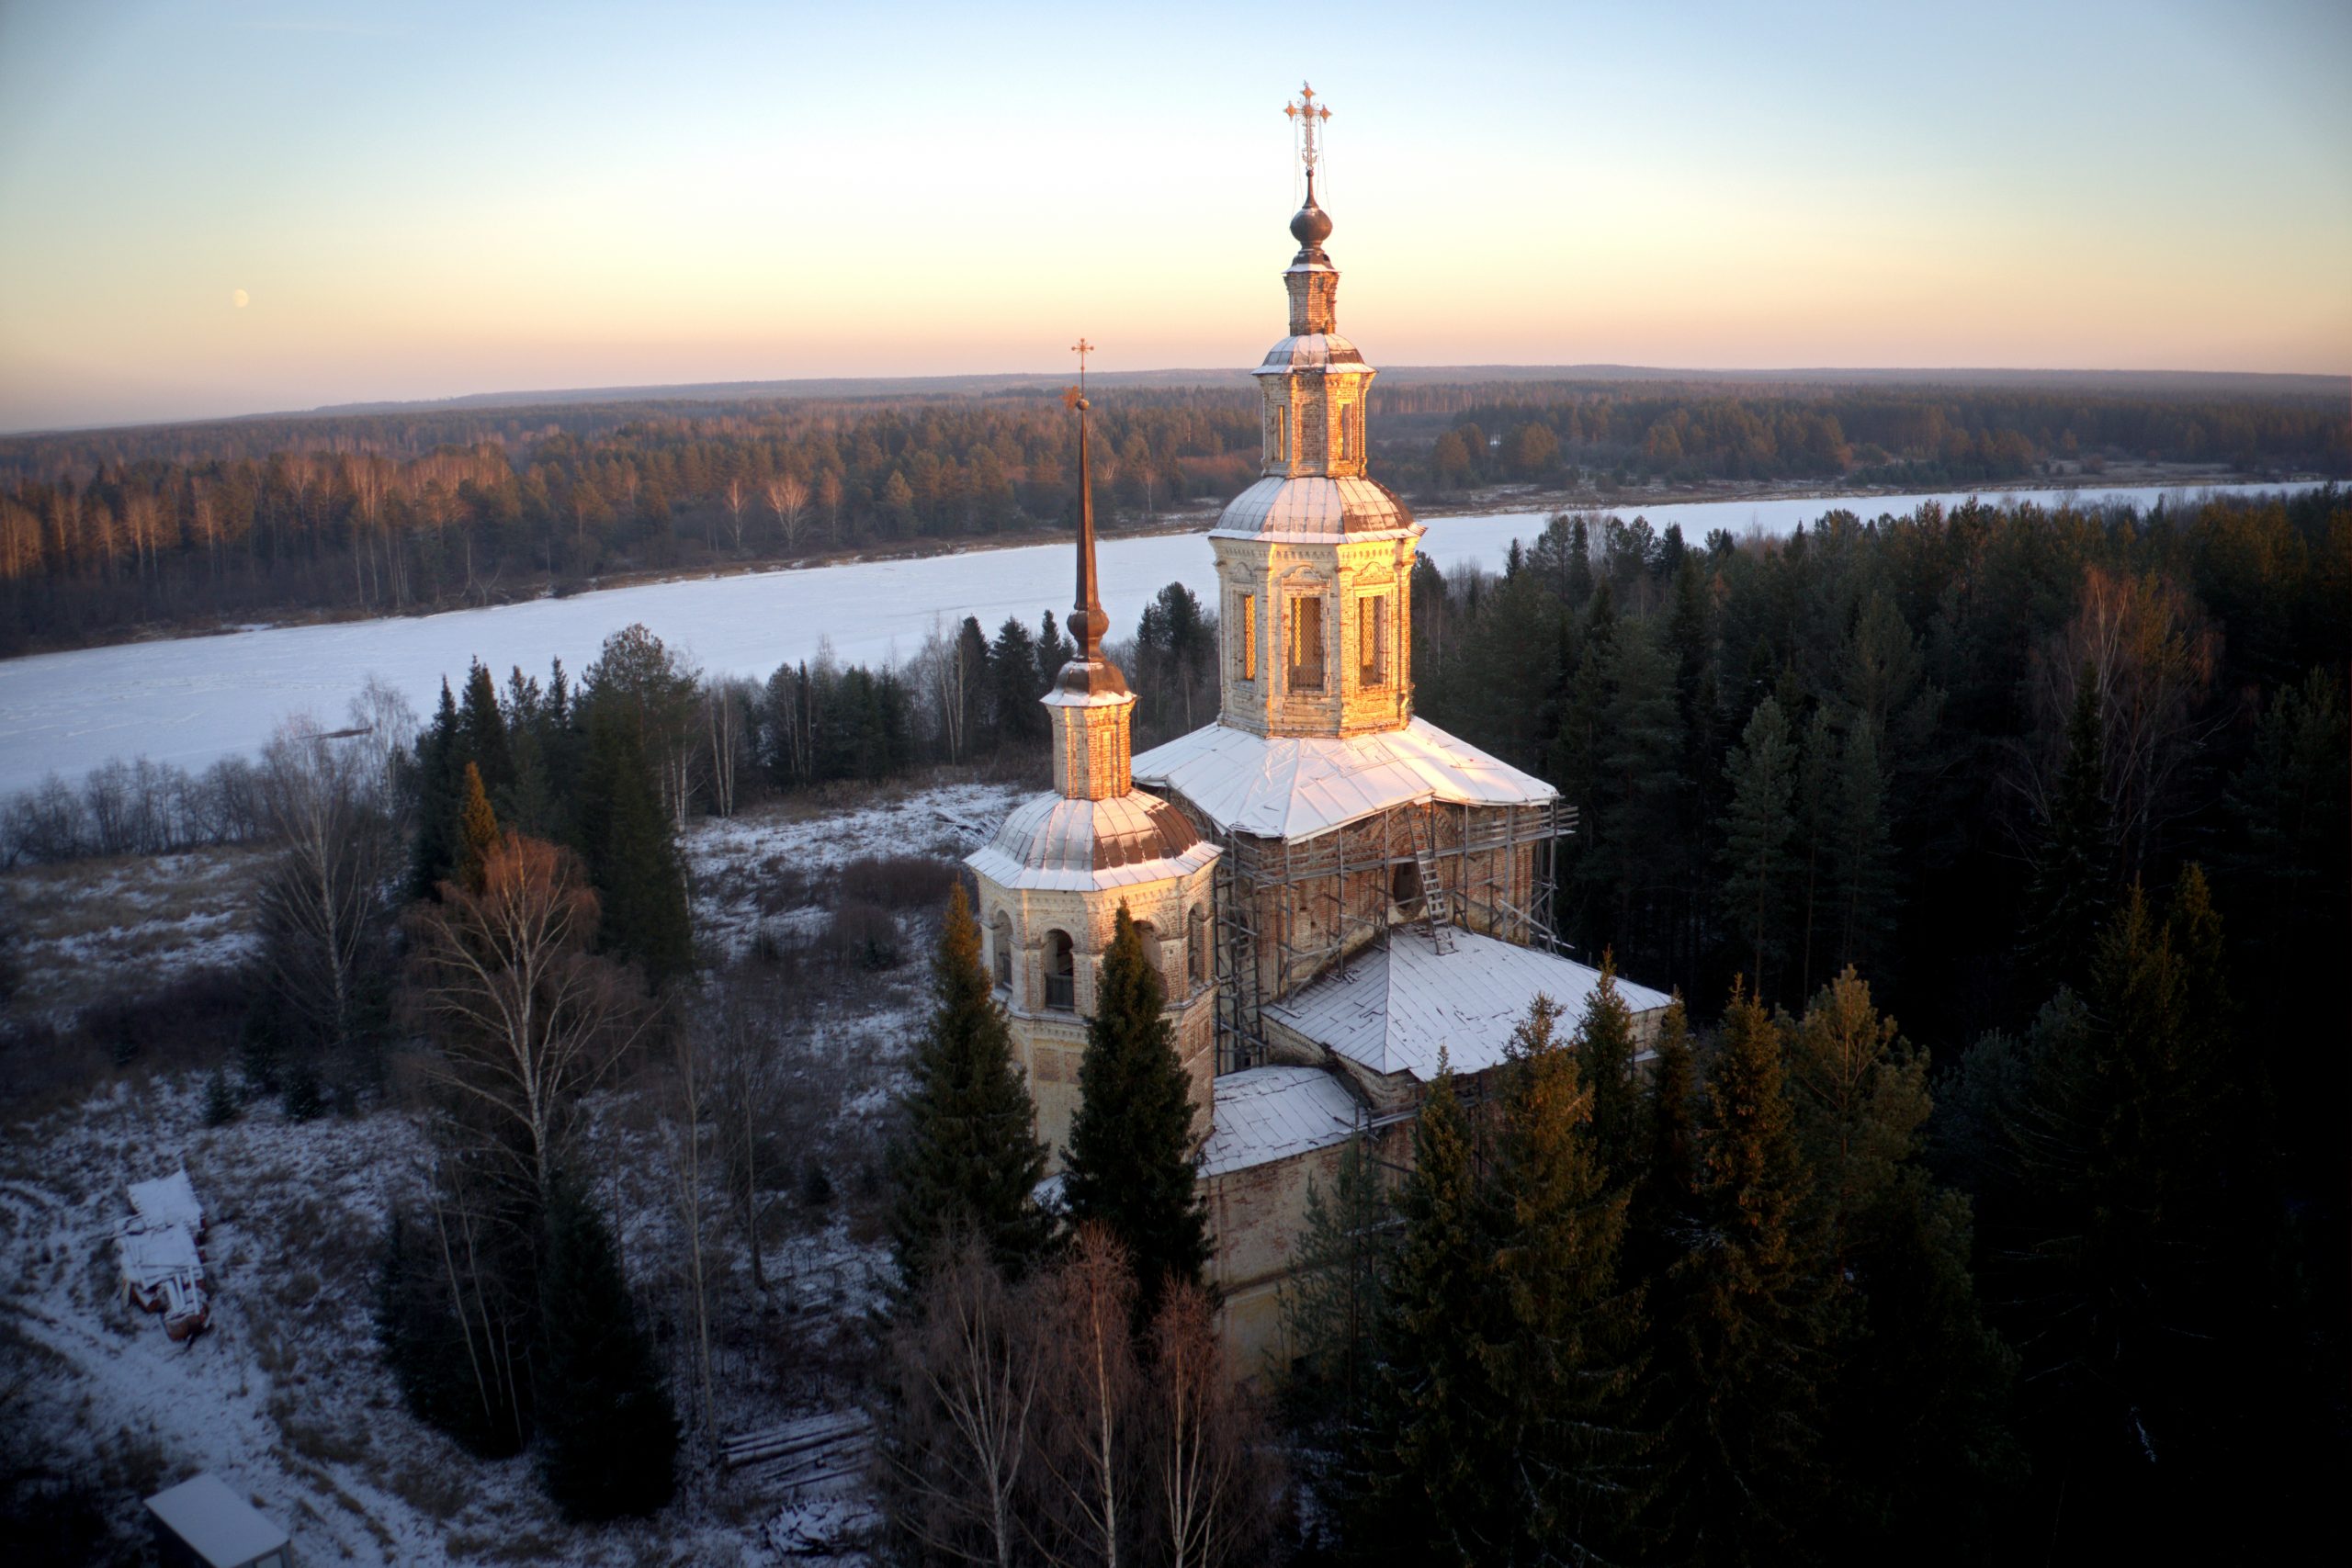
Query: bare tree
(748, 1095)
(1209, 1467)
(684, 1123)
(736, 495)
(955, 1435)
(527, 1019)
(1090, 1383)
(387, 726)
(788, 498)
(724, 707)
(324, 901)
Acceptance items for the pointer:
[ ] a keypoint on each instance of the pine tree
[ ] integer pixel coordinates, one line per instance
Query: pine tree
(1747, 1338)
(1132, 1161)
(1638, 789)
(2066, 904)
(609, 1433)
(1760, 871)
(966, 1159)
(221, 1105)
(632, 858)
(1432, 1478)
(1560, 1370)
(1816, 830)
(1054, 650)
(1013, 686)
(1603, 1058)
(477, 829)
(1659, 1216)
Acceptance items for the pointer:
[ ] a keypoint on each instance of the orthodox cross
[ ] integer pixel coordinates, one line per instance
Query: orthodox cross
(1082, 348)
(1306, 113)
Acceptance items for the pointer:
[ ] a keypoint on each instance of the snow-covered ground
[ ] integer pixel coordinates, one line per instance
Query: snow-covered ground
(284, 1397)
(83, 929)
(192, 700)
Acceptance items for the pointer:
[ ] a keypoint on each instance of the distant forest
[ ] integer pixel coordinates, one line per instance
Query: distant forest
(106, 532)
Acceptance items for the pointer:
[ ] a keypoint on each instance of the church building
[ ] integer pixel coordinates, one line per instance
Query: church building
(1337, 894)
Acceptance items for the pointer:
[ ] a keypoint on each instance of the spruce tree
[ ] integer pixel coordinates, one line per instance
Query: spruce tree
(1746, 1345)
(1013, 685)
(1432, 1480)
(483, 730)
(477, 829)
(1915, 1412)
(1864, 850)
(2067, 902)
(608, 1434)
(967, 1158)
(1760, 870)
(1659, 1217)
(632, 858)
(1133, 1162)
(1559, 1369)
(1603, 1062)
(440, 781)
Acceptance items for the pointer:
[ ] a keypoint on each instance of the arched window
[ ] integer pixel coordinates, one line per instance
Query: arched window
(1304, 629)
(1152, 956)
(1196, 945)
(1002, 932)
(1062, 971)
(1404, 884)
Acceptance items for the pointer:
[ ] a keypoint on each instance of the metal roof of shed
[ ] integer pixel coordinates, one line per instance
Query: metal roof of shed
(1263, 1114)
(1394, 1007)
(218, 1524)
(1295, 786)
(167, 1200)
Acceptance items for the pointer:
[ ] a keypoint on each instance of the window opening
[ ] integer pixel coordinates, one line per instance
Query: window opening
(1306, 626)
(1249, 619)
(1196, 946)
(1372, 640)
(1062, 971)
(1003, 928)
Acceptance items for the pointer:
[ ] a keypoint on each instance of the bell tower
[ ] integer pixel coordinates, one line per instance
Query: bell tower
(1315, 560)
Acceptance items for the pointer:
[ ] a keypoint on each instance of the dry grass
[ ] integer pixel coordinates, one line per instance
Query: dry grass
(78, 929)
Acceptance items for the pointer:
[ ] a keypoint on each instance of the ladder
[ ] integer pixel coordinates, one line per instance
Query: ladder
(1437, 910)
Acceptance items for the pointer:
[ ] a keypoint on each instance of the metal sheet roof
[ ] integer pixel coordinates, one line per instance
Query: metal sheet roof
(1062, 843)
(1313, 508)
(1393, 1008)
(1295, 786)
(222, 1527)
(1311, 351)
(1266, 1114)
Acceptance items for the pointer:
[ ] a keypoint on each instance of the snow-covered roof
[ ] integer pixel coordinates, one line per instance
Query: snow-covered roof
(166, 1252)
(1264, 1115)
(1310, 351)
(167, 1200)
(1056, 843)
(218, 1524)
(1392, 1007)
(1295, 786)
(1312, 508)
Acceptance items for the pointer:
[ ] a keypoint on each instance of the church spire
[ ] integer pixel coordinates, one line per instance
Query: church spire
(1087, 621)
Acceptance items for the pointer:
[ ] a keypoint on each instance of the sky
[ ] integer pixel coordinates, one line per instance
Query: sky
(211, 209)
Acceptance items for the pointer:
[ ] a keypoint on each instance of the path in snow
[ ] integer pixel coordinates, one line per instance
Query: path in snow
(190, 701)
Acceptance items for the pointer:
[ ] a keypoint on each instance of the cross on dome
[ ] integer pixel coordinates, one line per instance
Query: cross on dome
(1307, 115)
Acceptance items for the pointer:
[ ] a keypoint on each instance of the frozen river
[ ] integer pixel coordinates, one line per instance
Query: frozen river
(191, 700)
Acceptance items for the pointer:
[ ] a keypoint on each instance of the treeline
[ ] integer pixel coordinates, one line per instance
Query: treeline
(2070, 791)
(88, 550)
(103, 532)
(1447, 438)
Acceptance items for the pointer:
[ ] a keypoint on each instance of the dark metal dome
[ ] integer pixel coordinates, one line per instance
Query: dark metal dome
(1311, 226)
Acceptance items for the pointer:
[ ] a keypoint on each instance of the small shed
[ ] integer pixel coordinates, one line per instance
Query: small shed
(168, 1201)
(202, 1524)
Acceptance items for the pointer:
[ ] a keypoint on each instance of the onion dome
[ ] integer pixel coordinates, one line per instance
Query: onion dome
(1057, 843)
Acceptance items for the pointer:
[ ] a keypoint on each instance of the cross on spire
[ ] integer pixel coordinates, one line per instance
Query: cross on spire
(1308, 116)
(1082, 348)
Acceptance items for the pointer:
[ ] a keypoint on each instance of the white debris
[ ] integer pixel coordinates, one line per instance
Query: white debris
(1295, 786)
(1394, 1007)
(167, 1200)
(1263, 1114)
(220, 1527)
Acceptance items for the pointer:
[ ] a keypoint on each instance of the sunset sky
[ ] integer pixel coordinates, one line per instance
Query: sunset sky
(224, 208)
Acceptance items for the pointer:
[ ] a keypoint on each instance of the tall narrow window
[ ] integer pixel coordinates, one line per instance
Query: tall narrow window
(1372, 640)
(1249, 619)
(1347, 426)
(1003, 935)
(1196, 945)
(1278, 433)
(1305, 630)
(1062, 971)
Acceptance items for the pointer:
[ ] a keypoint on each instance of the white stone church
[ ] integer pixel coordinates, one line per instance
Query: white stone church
(1334, 890)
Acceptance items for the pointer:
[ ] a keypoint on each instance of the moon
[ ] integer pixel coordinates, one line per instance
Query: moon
(240, 298)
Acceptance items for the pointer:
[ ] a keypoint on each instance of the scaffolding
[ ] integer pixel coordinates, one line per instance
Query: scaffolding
(1289, 909)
